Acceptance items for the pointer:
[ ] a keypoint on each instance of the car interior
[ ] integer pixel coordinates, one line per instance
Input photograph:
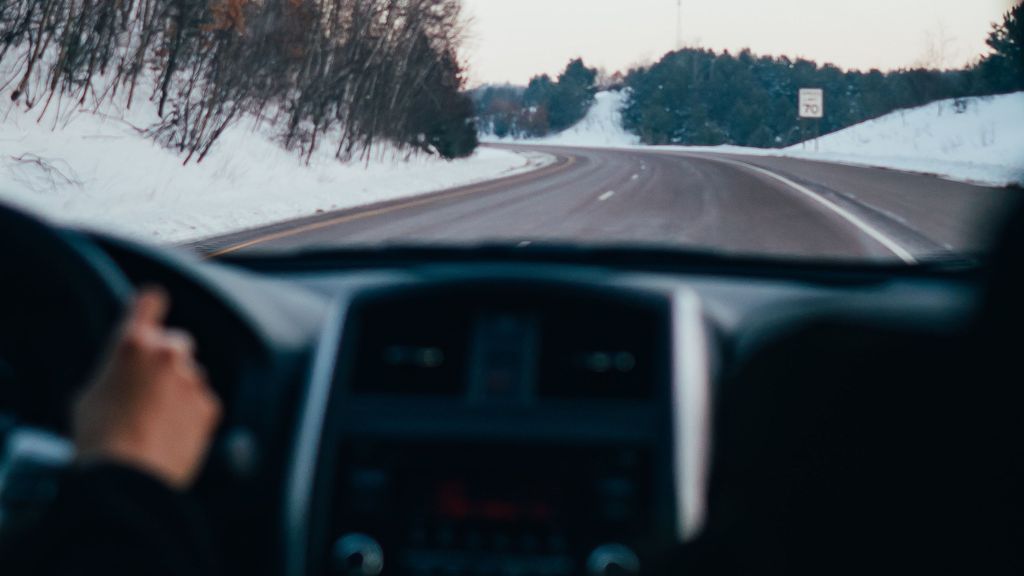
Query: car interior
(559, 410)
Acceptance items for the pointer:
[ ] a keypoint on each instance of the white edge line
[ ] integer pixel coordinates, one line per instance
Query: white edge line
(691, 397)
(890, 244)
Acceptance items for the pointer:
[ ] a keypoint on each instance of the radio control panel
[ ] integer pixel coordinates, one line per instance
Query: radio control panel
(463, 510)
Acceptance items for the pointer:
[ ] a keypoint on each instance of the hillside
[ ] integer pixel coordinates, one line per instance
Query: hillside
(602, 126)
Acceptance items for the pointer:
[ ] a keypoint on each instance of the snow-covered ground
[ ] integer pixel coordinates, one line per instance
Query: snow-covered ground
(96, 171)
(602, 126)
(982, 142)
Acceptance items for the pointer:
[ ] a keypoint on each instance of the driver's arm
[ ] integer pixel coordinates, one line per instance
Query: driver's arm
(142, 430)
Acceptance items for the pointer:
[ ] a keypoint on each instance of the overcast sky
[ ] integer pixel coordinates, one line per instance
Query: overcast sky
(513, 40)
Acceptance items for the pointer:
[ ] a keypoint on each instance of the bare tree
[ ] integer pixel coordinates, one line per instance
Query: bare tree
(940, 49)
(344, 71)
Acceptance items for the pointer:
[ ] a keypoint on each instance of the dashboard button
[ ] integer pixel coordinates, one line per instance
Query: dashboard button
(617, 497)
(369, 491)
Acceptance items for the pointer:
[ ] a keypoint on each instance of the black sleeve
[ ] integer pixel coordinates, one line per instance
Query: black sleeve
(113, 520)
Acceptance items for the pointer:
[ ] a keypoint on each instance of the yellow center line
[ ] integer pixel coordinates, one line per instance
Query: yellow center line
(570, 160)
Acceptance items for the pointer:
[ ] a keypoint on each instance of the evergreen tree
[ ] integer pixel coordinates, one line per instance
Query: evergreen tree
(1003, 69)
(444, 121)
(539, 91)
(573, 95)
(544, 106)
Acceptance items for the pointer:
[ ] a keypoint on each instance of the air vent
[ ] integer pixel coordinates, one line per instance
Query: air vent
(603, 348)
(408, 346)
(508, 342)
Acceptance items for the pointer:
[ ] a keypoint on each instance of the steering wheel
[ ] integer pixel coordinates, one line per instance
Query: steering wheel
(61, 298)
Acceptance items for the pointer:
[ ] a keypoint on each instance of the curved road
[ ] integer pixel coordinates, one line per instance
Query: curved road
(770, 206)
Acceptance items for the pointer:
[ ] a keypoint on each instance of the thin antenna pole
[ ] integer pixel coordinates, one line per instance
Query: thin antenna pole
(679, 24)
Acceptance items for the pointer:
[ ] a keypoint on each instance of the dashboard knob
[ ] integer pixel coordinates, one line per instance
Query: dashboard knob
(357, 555)
(613, 560)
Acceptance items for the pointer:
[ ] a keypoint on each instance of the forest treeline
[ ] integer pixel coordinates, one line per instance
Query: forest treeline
(341, 73)
(700, 97)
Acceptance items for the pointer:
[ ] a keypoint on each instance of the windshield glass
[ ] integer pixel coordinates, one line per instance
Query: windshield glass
(873, 131)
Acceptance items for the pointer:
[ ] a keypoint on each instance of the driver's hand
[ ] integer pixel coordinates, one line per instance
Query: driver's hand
(150, 407)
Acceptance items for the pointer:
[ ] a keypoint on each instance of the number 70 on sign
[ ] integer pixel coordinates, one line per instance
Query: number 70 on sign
(812, 103)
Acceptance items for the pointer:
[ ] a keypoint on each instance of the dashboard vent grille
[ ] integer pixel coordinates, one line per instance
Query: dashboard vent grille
(602, 349)
(502, 343)
(408, 347)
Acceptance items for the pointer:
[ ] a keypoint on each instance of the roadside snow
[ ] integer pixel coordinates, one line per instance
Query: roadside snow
(98, 172)
(981, 142)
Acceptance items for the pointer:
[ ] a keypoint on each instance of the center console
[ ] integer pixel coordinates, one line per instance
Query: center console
(494, 428)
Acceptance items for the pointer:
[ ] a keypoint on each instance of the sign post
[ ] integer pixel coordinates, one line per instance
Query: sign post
(812, 105)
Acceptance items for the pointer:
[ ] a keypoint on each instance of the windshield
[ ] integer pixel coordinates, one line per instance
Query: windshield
(874, 131)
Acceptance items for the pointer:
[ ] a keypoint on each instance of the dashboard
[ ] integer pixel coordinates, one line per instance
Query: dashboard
(457, 412)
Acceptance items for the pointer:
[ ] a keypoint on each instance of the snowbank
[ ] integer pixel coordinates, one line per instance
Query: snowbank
(980, 140)
(98, 172)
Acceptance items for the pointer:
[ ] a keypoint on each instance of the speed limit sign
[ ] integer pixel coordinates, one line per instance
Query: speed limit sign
(812, 103)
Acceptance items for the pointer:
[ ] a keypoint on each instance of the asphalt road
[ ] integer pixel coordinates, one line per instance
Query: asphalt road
(767, 206)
